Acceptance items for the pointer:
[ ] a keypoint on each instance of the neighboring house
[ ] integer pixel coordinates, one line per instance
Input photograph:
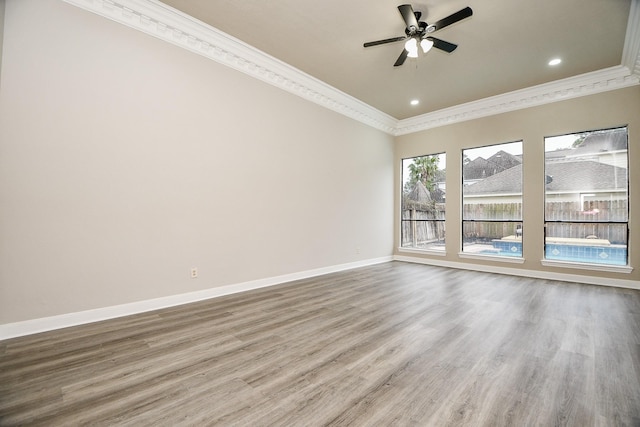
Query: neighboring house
(503, 187)
(581, 181)
(479, 168)
(594, 170)
(571, 181)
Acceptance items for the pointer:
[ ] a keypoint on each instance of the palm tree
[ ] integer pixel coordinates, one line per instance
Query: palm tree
(425, 170)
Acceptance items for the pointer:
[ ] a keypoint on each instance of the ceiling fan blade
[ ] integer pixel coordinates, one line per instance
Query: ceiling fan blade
(443, 45)
(452, 19)
(409, 17)
(401, 58)
(378, 42)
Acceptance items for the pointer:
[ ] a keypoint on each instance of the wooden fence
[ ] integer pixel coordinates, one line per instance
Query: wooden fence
(590, 221)
(422, 227)
(493, 211)
(600, 210)
(579, 223)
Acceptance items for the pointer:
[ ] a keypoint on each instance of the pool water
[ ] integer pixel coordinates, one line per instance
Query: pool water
(607, 255)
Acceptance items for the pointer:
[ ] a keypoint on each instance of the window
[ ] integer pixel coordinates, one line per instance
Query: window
(492, 200)
(586, 197)
(423, 195)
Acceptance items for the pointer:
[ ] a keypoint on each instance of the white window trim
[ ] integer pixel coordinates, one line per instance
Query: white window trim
(509, 259)
(422, 251)
(587, 266)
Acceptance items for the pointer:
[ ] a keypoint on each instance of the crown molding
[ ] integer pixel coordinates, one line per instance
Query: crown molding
(631, 50)
(586, 84)
(168, 24)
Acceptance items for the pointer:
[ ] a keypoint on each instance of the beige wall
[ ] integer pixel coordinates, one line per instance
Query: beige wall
(125, 161)
(2, 5)
(609, 109)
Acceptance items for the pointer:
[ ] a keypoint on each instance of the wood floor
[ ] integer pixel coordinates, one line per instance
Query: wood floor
(392, 344)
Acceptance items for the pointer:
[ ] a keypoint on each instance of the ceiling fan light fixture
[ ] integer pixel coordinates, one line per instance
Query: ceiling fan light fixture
(411, 46)
(416, 33)
(426, 45)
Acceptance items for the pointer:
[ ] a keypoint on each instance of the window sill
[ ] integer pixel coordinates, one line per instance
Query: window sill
(510, 259)
(584, 266)
(422, 251)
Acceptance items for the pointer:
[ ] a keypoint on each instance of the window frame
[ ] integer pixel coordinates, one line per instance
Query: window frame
(627, 268)
(486, 256)
(413, 249)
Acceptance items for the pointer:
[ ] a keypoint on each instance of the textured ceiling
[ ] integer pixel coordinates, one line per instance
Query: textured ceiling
(504, 46)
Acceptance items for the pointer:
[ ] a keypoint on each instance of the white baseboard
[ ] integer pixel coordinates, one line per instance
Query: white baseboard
(548, 275)
(28, 327)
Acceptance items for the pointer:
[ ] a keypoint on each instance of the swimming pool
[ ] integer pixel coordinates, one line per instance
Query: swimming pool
(609, 255)
(578, 251)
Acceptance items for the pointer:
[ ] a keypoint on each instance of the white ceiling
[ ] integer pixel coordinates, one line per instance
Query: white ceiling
(504, 46)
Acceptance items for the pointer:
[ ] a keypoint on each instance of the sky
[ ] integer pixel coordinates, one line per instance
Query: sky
(557, 142)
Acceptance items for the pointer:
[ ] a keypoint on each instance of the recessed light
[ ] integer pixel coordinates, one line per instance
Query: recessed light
(555, 61)
(415, 102)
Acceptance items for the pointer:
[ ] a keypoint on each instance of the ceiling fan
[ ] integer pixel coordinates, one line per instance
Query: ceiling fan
(417, 33)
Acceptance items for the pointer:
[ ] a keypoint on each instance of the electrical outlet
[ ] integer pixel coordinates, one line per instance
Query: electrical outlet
(358, 249)
(194, 272)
